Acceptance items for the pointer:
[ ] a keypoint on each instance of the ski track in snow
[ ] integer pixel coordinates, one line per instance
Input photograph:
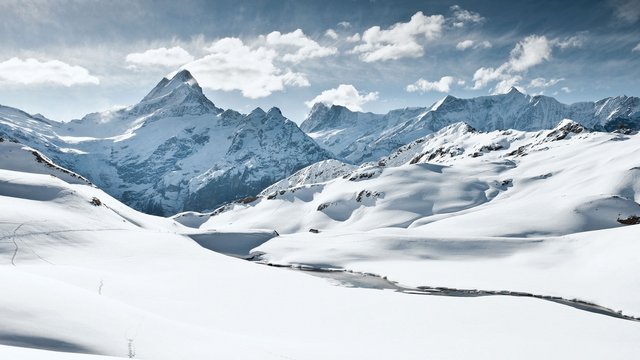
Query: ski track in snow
(15, 243)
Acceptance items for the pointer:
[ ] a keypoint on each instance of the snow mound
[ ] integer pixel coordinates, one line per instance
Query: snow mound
(17, 157)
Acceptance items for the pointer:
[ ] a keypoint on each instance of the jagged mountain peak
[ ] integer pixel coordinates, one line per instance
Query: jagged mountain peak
(339, 109)
(322, 108)
(166, 86)
(257, 112)
(514, 91)
(443, 102)
(176, 96)
(185, 76)
(230, 113)
(274, 112)
(319, 106)
(323, 116)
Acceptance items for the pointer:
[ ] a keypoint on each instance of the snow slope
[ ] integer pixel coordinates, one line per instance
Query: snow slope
(173, 151)
(100, 278)
(359, 137)
(538, 212)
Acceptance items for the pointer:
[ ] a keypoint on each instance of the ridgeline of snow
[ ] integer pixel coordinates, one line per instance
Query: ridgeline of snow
(313, 174)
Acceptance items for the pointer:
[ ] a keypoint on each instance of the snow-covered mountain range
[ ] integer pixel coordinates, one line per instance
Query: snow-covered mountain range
(176, 151)
(359, 137)
(173, 151)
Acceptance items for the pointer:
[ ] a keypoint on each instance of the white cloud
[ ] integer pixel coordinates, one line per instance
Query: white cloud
(399, 40)
(542, 83)
(232, 65)
(306, 47)
(566, 89)
(32, 71)
(573, 41)
(442, 85)
(344, 24)
(527, 53)
(466, 44)
(637, 48)
(353, 38)
(483, 76)
(331, 34)
(345, 95)
(171, 57)
(462, 16)
(627, 10)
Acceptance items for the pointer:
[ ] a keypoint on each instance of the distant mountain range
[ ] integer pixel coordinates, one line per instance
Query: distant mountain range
(176, 151)
(359, 137)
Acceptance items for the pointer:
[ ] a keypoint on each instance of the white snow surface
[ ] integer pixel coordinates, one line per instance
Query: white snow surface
(90, 279)
(507, 210)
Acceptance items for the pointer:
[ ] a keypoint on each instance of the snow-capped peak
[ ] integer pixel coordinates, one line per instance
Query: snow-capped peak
(275, 113)
(257, 112)
(514, 90)
(439, 103)
(166, 86)
(322, 117)
(176, 96)
(318, 107)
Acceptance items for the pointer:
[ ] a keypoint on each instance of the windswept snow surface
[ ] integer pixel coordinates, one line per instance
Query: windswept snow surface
(87, 277)
(536, 212)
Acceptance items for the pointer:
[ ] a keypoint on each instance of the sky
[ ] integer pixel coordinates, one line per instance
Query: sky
(68, 58)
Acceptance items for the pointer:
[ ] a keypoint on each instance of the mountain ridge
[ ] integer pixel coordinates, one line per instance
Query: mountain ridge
(174, 150)
(177, 151)
(345, 133)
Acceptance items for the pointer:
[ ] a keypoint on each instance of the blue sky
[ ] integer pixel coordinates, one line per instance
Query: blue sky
(65, 58)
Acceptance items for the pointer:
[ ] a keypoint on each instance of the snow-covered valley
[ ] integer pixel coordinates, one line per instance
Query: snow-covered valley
(99, 278)
(465, 240)
(504, 210)
(319, 180)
